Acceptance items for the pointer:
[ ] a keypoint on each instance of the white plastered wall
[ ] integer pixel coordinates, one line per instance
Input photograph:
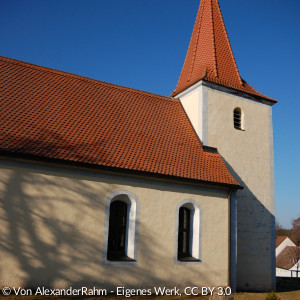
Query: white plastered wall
(52, 224)
(194, 102)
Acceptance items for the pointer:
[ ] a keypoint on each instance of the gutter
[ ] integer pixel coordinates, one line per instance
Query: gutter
(232, 237)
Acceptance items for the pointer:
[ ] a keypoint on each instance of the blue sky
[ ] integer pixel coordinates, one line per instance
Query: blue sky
(142, 44)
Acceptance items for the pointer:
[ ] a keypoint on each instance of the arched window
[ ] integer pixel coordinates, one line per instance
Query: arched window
(188, 229)
(238, 119)
(117, 231)
(121, 228)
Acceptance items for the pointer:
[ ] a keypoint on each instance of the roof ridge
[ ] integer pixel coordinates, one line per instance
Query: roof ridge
(81, 77)
(214, 39)
(196, 45)
(229, 45)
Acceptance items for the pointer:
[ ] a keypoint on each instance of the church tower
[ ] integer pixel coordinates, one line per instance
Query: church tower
(230, 115)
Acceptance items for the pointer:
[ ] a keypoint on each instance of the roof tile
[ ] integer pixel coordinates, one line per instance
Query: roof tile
(57, 115)
(288, 257)
(209, 56)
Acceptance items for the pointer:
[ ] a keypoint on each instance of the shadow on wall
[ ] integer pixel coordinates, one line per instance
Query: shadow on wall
(52, 236)
(255, 241)
(40, 239)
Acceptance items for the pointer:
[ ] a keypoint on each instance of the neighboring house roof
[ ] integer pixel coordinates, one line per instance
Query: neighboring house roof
(209, 56)
(283, 238)
(288, 257)
(282, 242)
(56, 115)
(280, 239)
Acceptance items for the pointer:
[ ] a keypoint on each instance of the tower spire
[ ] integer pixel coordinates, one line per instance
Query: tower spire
(209, 56)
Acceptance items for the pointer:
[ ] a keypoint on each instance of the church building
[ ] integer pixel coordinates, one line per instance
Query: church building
(106, 186)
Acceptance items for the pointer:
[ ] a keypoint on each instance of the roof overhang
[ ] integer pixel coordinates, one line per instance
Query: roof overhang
(224, 89)
(79, 166)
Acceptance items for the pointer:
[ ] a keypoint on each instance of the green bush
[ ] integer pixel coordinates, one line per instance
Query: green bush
(272, 296)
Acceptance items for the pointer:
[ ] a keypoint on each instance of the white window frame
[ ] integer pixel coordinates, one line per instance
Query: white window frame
(242, 124)
(195, 231)
(131, 226)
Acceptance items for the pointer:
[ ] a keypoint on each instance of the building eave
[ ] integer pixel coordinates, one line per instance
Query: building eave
(225, 89)
(112, 170)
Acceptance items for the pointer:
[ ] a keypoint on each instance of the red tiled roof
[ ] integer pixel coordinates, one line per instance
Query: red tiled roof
(56, 115)
(209, 56)
(288, 257)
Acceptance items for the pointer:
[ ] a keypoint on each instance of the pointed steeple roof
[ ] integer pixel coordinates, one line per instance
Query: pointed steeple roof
(209, 56)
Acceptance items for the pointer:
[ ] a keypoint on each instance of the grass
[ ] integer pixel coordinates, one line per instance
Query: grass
(291, 295)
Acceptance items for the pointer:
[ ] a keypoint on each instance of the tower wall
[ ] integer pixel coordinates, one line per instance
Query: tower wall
(248, 155)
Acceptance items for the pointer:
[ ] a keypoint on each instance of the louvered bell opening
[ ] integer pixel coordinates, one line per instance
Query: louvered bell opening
(237, 118)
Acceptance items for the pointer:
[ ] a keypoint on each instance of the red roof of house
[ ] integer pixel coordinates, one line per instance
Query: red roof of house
(288, 257)
(56, 115)
(209, 56)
